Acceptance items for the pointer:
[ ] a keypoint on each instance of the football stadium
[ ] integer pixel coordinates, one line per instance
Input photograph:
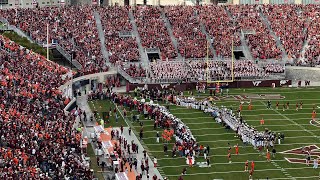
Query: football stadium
(159, 90)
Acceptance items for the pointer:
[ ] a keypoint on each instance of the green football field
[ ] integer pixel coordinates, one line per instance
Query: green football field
(294, 124)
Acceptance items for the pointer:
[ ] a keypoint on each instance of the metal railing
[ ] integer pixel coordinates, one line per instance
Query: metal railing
(126, 75)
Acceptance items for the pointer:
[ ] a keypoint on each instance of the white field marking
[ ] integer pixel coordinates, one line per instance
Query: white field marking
(267, 92)
(186, 165)
(304, 129)
(276, 119)
(257, 100)
(221, 128)
(215, 155)
(254, 105)
(160, 144)
(265, 114)
(196, 129)
(226, 172)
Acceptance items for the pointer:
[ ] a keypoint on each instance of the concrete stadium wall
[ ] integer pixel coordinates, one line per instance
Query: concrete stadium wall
(296, 73)
(29, 4)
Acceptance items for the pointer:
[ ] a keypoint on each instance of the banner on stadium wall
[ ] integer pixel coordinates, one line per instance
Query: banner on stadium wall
(94, 2)
(62, 2)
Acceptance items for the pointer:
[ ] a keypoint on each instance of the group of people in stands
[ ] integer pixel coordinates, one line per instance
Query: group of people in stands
(38, 140)
(115, 20)
(74, 28)
(153, 32)
(212, 70)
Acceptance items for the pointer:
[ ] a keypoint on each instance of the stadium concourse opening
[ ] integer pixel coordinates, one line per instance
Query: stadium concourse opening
(238, 54)
(153, 56)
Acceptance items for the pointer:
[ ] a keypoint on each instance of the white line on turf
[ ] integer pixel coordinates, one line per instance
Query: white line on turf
(304, 129)
(226, 172)
(290, 144)
(186, 165)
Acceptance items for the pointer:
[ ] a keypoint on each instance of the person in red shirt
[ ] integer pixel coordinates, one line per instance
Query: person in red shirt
(252, 165)
(237, 149)
(262, 121)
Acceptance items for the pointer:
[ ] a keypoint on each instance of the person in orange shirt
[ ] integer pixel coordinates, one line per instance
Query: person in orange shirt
(237, 149)
(268, 155)
(314, 114)
(252, 166)
(262, 121)
(250, 106)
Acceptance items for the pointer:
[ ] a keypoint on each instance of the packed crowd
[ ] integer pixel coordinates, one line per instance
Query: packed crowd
(262, 44)
(153, 31)
(74, 28)
(312, 53)
(192, 42)
(221, 28)
(38, 140)
(135, 71)
(211, 70)
(115, 20)
(288, 23)
(247, 69)
(168, 71)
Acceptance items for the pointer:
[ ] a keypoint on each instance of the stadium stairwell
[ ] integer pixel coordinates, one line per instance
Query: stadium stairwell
(278, 43)
(101, 37)
(306, 41)
(203, 29)
(143, 55)
(169, 28)
(245, 48)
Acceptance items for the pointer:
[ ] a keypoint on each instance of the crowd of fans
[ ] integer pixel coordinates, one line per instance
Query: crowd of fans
(287, 22)
(262, 44)
(115, 20)
(192, 42)
(73, 27)
(312, 54)
(153, 32)
(168, 71)
(221, 28)
(211, 70)
(38, 140)
(135, 71)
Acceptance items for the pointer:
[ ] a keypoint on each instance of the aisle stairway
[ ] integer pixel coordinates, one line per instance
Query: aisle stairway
(104, 50)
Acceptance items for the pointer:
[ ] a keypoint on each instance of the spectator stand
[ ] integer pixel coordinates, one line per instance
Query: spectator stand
(153, 32)
(288, 22)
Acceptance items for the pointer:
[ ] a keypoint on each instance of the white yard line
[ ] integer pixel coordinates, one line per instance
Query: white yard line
(186, 165)
(226, 172)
